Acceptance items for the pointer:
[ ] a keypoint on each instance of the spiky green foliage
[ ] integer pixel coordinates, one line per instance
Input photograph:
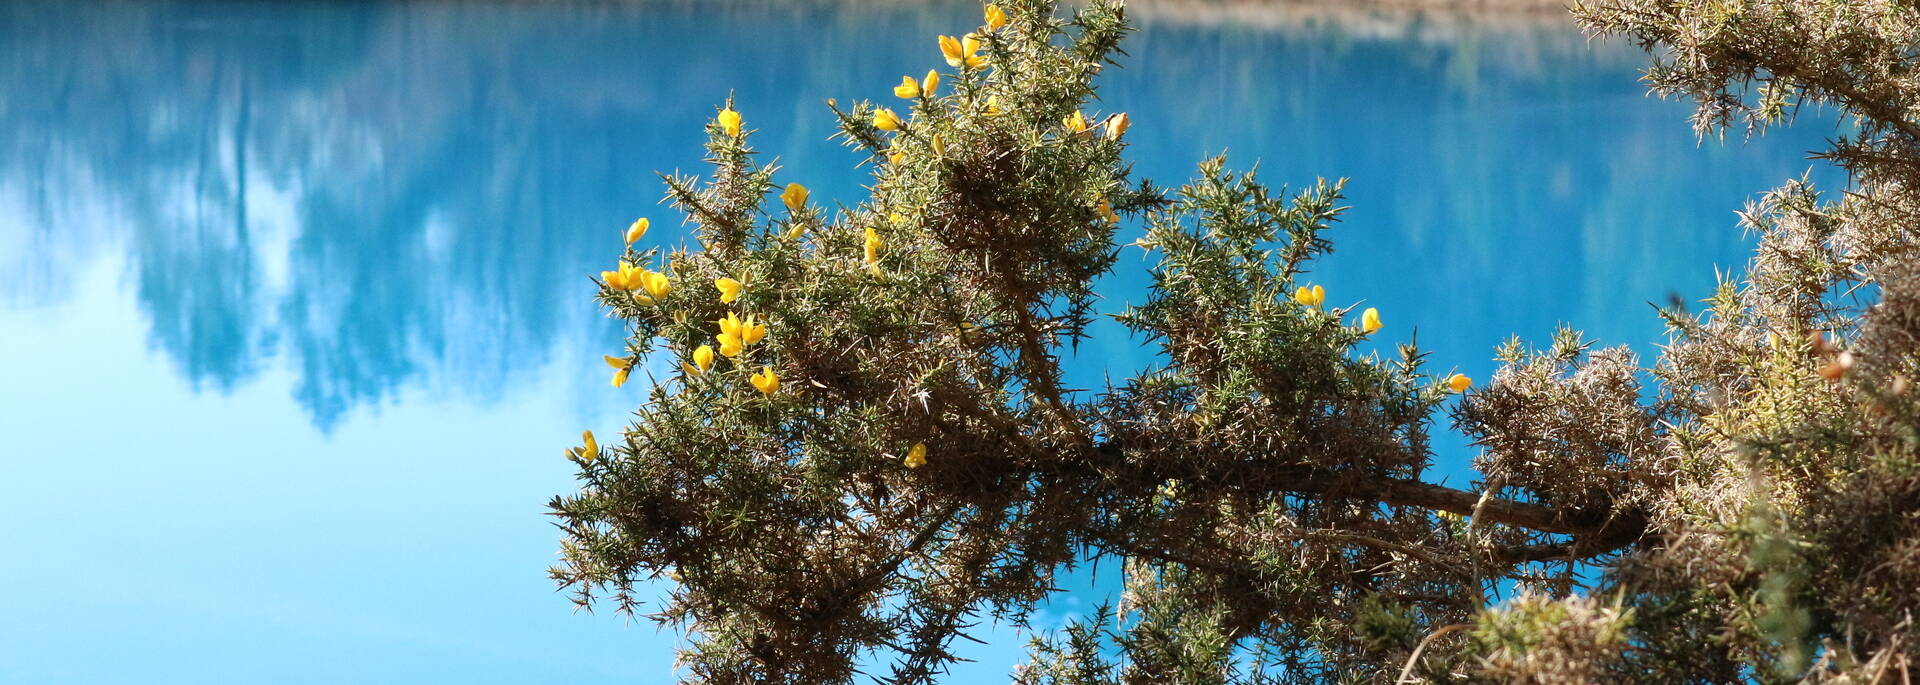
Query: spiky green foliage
(1263, 485)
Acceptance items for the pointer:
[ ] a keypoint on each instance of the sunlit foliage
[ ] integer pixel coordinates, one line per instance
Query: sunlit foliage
(882, 454)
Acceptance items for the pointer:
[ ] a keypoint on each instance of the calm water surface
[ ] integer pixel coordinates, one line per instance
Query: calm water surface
(296, 320)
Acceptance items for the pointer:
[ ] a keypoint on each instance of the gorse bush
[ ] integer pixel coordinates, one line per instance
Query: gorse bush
(865, 449)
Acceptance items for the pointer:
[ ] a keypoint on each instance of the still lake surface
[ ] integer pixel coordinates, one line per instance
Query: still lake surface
(295, 317)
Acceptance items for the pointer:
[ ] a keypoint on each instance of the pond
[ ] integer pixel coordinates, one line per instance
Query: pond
(297, 320)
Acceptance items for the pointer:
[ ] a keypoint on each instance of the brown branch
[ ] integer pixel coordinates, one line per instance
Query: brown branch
(1596, 531)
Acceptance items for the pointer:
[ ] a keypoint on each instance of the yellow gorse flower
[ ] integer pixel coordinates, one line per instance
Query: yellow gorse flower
(908, 88)
(795, 196)
(1076, 123)
(637, 230)
(621, 367)
(592, 449)
(737, 333)
(930, 84)
(993, 105)
(950, 49)
(996, 17)
(1459, 382)
(702, 360)
(939, 145)
(655, 283)
(729, 289)
(885, 120)
(1117, 126)
(732, 324)
(961, 52)
(766, 381)
(730, 346)
(1370, 320)
(873, 245)
(1106, 211)
(729, 122)
(1311, 297)
(916, 456)
(627, 277)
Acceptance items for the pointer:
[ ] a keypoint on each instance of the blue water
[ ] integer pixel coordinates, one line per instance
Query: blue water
(295, 317)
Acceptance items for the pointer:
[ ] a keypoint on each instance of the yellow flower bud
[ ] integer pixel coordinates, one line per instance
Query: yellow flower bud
(702, 360)
(766, 381)
(1117, 126)
(930, 84)
(1459, 382)
(939, 146)
(908, 88)
(729, 122)
(795, 197)
(996, 17)
(620, 377)
(916, 456)
(885, 120)
(592, 449)
(1370, 320)
(637, 230)
(1311, 297)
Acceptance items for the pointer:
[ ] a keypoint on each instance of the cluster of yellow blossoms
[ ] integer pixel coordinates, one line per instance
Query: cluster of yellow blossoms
(736, 334)
(1369, 322)
(960, 53)
(649, 288)
(1317, 295)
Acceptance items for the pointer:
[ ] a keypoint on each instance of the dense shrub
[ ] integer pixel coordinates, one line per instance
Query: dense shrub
(864, 447)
